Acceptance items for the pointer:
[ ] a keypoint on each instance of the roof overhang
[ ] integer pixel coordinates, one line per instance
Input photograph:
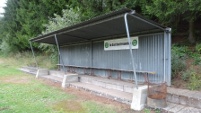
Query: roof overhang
(107, 26)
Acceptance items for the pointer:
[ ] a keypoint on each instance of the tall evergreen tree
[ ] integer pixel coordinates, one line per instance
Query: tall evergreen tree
(171, 12)
(24, 19)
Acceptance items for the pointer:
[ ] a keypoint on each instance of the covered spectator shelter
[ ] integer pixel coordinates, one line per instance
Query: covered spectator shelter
(119, 45)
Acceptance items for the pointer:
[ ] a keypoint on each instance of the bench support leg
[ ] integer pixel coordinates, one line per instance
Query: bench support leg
(139, 98)
(70, 78)
(64, 81)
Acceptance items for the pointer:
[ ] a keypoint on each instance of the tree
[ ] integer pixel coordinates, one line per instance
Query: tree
(9, 25)
(24, 19)
(191, 10)
(69, 17)
(171, 12)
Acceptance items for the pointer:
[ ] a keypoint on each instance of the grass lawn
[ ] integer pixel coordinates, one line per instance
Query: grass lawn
(22, 93)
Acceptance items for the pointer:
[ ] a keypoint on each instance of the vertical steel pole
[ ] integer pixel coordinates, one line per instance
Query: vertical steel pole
(131, 53)
(164, 59)
(169, 55)
(55, 37)
(33, 54)
(91, 56)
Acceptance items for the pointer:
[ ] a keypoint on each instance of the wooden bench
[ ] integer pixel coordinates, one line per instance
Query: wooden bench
(145, 73)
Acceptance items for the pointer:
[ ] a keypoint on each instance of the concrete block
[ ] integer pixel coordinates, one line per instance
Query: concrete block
(197, 95)
(156, 103)
(173, 98)
(169, 106)
(183, 100)
(56, 73)
(189, 110)
(176, 109)
(41, 72)
(192, 102)
(69, 78)
(128, 89)
(98, 83)
(114, 86)
(139, 98)
(83, 79)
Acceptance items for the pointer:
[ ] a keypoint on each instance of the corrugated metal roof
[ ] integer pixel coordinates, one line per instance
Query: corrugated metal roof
(101, 27)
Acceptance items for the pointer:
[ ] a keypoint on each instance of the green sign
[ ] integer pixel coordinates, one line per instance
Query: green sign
(120, 44)
(134, 42)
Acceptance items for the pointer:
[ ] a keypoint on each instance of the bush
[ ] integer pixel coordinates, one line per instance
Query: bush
(187, 74)
(6, 49)
(179, 54)
(180, 51)
(198, 48)
(194, 82)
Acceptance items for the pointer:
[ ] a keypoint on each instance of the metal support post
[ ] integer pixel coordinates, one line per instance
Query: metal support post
(168, 31)
(33, 54)
(164, 58)
(55, 37)
(130, 47)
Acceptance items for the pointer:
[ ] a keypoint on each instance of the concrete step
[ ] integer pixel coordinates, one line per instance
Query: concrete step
(108, 93)
(57, 78)
(56, 73)
(174, 95)
(177, 108)
(126, 98)
(33, 69)
(184, 97)
(29, 70)
(108, 83)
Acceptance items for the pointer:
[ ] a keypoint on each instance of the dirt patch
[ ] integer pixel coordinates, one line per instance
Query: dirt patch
(1, 61)
(69, 106)
(16, 80)
(4, 108)
(179, 83)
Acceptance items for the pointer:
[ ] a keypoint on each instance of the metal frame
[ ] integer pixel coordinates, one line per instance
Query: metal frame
(164, 59)
(32, 50)
(130, 48)
(168, 32)
(132, 14)
(55, 37)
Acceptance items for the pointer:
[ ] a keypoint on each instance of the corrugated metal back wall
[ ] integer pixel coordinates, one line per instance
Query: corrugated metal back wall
(149, 57)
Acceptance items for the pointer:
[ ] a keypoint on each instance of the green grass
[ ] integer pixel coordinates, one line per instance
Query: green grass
(22, 93)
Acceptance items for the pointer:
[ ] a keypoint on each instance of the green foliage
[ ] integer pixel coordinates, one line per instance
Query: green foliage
(171, 12)
(165, 11)
(157, 111)
(50, 50)
(187, 74)
(197, 58)
(194, 82)
(69, 17)
(24, 20)
(5, 48)
(198, 48)
(196, 55)
(181, 51)
(178, 60)
(147, 110)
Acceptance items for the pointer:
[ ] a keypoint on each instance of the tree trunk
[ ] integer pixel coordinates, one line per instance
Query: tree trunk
(191, 36)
